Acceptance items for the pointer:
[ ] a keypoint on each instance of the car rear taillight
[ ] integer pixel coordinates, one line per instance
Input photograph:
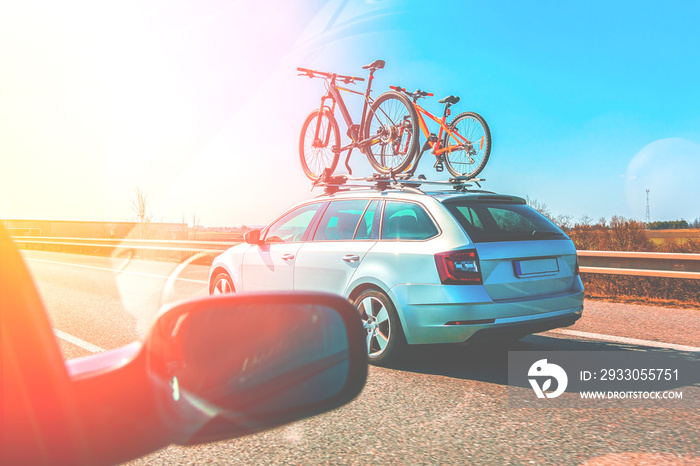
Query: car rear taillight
(458, 267)
(576, 269)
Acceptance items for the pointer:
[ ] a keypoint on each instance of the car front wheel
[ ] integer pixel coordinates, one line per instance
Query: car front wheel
(385, 339)
(221, 284)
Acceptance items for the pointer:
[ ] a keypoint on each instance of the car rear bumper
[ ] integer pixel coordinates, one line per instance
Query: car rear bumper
(451, 316)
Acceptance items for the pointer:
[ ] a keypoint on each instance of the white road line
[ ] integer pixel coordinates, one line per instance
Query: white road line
(77, 341)
(143, 274)
(595, 336)
(625, 340)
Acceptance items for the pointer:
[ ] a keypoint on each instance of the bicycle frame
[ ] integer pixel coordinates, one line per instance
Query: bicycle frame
(461, 141)
(333, 94)
(354, 131)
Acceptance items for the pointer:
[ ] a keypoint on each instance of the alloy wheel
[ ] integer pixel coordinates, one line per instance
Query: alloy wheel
(222, 286)
(375, 319)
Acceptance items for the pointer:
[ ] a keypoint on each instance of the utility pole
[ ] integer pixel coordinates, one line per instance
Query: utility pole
(648, 217)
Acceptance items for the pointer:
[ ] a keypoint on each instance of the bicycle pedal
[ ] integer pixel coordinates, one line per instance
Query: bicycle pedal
(439, 166)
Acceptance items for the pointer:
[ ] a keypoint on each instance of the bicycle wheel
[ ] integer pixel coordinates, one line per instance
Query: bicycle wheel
(317, 154)
(467, 159)
(392, 125)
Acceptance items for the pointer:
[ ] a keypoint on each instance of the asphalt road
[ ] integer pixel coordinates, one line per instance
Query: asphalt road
(443, 405)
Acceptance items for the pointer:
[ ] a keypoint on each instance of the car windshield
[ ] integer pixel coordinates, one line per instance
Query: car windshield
(491, 222)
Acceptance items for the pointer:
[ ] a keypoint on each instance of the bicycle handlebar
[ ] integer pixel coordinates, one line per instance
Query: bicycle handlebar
(414, 95)
(319, 74)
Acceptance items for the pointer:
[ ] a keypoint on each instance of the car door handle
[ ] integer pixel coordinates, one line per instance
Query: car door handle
(287, 257)
(351, 258)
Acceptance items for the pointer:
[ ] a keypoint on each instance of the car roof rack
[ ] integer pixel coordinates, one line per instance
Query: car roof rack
(382, 182)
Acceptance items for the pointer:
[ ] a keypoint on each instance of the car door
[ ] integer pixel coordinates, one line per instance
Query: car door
(346, 232)
(269, 265)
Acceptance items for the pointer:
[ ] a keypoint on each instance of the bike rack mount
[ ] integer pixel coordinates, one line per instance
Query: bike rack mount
(381, 182)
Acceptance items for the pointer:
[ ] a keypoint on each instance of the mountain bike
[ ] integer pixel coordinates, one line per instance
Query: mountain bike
(384, 133)
(463, 145)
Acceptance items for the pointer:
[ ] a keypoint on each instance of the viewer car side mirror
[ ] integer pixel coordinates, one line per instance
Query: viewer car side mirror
(233, 365)
(213, 368)
(252, 237)
(222, 367)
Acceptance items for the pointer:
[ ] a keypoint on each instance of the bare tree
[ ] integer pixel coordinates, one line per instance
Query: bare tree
(143, 216)
(540, 207)
(561, 220)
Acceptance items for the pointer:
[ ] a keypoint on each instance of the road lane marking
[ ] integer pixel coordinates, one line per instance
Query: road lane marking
(625, 340)
(143, 274)
(77, 341)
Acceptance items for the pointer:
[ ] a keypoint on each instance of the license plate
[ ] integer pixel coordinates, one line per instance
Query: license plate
(525, 268)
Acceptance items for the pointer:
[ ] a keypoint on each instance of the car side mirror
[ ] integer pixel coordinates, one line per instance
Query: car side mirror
(219, 367)
(232, 365)
(252, 237)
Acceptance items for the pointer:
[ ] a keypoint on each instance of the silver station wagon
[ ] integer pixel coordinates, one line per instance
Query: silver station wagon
(455, 266)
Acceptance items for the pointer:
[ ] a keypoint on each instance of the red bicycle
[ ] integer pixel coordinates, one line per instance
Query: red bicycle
(384, 134)
(463, 145)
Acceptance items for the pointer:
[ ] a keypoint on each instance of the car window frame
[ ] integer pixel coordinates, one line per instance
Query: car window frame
(376, 221)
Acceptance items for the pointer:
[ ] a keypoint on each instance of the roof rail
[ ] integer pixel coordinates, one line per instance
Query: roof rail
(381, 182)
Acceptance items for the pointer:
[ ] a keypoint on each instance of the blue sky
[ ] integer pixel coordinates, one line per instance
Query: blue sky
(198, 103)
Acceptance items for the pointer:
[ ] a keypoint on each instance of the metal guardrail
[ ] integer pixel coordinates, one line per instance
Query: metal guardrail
(127, 243)
(647, 264)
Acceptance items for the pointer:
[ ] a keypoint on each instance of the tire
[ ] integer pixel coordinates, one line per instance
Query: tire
(385, 338)
(468, 162)
(221, 284)
(318, 155)
(393, 125)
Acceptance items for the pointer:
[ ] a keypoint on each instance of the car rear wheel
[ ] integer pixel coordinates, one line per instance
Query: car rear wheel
(385, 339)
(221, 284)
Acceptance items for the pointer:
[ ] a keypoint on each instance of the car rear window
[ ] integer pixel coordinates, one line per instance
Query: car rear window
(489, 222)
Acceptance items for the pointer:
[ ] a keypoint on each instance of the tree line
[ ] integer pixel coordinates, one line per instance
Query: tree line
(673, 225)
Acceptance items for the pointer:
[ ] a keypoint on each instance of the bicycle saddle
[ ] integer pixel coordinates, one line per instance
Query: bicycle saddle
(450, 99)
(376, 64)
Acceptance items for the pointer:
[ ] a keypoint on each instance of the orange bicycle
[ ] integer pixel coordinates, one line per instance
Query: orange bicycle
(463, 146)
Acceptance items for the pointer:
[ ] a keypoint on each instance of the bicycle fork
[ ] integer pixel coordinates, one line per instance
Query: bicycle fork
(323, 108)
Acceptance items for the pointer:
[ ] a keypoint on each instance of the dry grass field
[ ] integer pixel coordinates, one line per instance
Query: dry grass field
(661, 237)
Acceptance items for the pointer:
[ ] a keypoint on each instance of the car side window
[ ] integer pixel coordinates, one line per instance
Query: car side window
(407, 221)
(340, 220)
(369, 225)
(291, 227)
